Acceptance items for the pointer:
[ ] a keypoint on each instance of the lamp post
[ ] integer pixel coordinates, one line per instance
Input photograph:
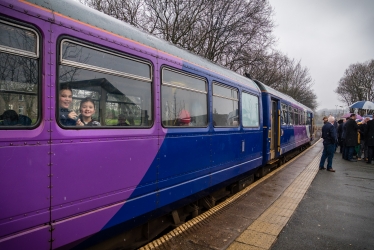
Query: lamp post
(336, 110)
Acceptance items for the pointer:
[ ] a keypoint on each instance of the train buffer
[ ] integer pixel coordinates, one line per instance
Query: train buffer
(296, 206)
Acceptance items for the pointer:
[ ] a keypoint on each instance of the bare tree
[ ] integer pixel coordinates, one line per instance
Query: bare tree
(236, 34)
(300, 85)
(270, 68)
(227, 32)
(128, 11)
(284, 74)
(357, 83)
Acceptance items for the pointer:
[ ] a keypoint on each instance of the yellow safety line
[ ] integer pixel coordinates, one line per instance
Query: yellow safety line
(263, 232)
(207, 214)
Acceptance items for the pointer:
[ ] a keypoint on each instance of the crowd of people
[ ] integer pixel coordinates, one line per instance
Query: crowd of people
(354, 137)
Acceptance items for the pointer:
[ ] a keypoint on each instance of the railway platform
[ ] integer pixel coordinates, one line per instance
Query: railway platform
(296, 206)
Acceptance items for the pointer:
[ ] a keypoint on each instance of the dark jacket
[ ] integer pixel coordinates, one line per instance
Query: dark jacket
(362, 128)
(340, 131)
(328, 134)
(64, 119)
(92, 123)
(369, 133)
(351, 137)
(343, 131)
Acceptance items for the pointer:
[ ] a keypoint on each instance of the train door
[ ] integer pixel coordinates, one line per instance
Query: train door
(274, 133)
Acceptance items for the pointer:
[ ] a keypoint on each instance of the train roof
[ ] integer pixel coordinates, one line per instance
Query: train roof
(85, 14)
(270, 90)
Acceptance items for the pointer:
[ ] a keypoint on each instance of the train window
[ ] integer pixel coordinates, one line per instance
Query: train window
(98, 88)
(290, 116)
(296, 120)
(184, 99)
(225, 106)
(19, 76)
(250, 110)
(284, 114)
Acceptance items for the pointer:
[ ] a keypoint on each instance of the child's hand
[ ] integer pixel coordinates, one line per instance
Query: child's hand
(73, 115)
(79, 123)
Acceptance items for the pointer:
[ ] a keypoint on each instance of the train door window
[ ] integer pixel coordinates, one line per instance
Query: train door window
(250, 110)
(290, 116)
(184, 99)
(102, 88)
(19, 75)
(309, 118)
(225, 106)
(296, 120)
(284, 114)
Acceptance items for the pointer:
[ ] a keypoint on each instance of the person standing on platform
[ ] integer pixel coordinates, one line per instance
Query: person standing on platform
(351, 140)
(324, 119)
(336, 130)
(364, 148)
(329, 141)
(345, 151)
(369, 136)
(339, 134)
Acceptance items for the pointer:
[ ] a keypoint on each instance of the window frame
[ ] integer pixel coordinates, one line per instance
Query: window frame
(101, 69)
(258, 109)
(284, 107)
(38, 56)
(188, 74)
(110, 51)
(20, 52)
(291, 116)
(227, 98)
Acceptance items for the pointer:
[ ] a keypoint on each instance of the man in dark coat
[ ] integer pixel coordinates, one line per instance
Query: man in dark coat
(336, 129)
(351, 136)
(339, 134)
(363, 147)
(369, 137)
(329, 141)
(345, 151)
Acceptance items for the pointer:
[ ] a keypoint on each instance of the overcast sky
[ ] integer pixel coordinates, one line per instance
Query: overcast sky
(327, 36)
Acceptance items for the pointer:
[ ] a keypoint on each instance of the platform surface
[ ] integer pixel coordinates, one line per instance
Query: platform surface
(253, 218)
(337, 211)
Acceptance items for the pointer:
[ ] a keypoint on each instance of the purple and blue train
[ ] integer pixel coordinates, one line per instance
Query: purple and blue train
(108, 134)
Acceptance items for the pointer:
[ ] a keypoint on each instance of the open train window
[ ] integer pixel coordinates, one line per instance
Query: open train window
(225, 106)
(284, 114)
(250, 110)
(184, 99)
(19, 76)
(100, 88)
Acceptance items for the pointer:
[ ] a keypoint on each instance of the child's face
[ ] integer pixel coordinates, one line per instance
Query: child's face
(66, 97)
(87, 109)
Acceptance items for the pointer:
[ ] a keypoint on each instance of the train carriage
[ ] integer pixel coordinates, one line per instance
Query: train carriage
(286, 122)
(174, 129)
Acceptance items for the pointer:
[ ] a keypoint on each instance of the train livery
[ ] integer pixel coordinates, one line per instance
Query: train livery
(173, 131)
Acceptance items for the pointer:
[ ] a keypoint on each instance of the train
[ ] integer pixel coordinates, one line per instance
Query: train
(109, 135)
